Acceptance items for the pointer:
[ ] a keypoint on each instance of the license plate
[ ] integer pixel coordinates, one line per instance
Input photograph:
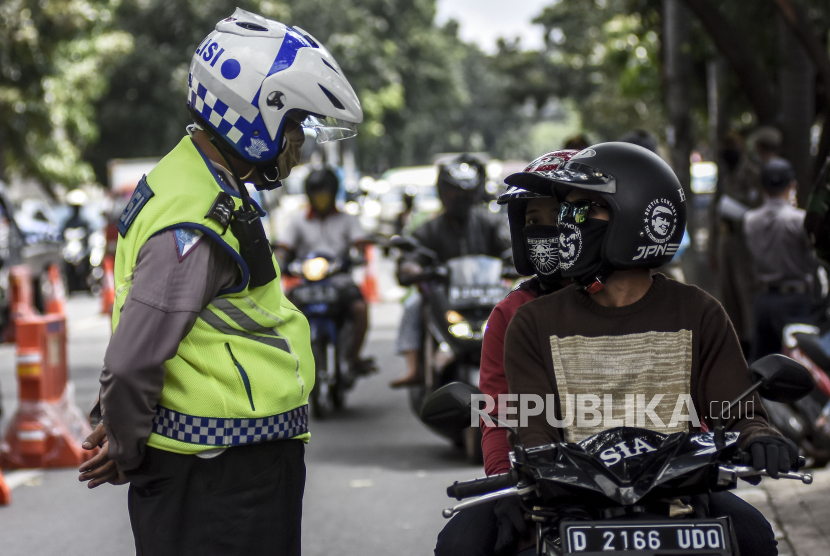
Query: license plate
(645, 538)
(478, 294)
(314, 294)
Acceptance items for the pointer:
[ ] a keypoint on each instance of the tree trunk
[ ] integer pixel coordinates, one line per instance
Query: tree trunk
(678, 68)
(797, 78)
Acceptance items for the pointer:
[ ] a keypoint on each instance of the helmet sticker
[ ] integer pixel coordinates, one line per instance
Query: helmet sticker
(544, 163)
(570, 244)
(645, 252)
(682, 195)
(660, 220)
(257, 147)
(230, 69)
(544, 254)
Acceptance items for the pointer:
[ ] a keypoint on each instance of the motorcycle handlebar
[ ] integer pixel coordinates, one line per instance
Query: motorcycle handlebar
(485, 485)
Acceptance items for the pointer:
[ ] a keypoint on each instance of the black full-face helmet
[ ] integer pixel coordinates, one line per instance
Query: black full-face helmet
(517, 198)
(645, 199)
(464, 172)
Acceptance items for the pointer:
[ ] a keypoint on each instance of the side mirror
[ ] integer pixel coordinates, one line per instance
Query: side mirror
(782, 379)
(449, 409)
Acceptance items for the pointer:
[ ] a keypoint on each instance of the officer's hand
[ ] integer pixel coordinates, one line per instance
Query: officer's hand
(511, 523)
(100, 469)
(772, 453)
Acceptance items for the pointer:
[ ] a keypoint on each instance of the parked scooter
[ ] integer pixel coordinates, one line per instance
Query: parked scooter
(319, 299)
(459, 296)
(620, 490)
(807, 421)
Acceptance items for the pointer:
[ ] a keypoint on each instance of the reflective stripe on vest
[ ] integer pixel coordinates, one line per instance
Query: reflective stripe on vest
(211, 431)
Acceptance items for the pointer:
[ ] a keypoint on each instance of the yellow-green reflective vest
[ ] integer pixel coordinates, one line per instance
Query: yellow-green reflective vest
(244, 372)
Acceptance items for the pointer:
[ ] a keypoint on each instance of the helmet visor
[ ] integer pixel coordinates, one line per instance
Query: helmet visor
(329, 129)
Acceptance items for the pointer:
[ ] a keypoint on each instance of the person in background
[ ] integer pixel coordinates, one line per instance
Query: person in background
(404, 217)
(767, 143)
(576, 142)
(535, 237)
(324, 230)
(739, 189)
(461, 228)
(782, 256)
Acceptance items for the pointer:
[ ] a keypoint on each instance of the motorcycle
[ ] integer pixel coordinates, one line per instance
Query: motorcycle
(620, 490)
(459, 296)
(807, 421)
(83, 253)
(331, 328)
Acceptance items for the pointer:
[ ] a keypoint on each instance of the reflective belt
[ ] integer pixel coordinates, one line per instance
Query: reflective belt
(218, 431)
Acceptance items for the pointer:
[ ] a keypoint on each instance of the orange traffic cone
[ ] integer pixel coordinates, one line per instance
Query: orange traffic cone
(55, 293)
(369, 286)
(107, 286)
(47, 429)
(21, 299)
(5, 492)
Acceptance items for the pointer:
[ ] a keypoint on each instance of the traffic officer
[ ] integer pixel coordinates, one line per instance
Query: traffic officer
(783, 259)
(203, 401)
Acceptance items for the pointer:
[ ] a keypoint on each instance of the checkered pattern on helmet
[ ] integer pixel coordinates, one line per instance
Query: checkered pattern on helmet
(224, 118)
(213, 431)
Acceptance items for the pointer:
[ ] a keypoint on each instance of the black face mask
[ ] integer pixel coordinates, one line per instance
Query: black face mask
(580, 249)
(542, 250)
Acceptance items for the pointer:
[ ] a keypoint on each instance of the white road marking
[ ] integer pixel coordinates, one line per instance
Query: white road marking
(31, 477)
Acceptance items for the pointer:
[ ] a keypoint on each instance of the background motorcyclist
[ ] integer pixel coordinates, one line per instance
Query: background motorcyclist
(324, 230)
(629, 332)
(535, 238)
(75, 232)
(462, 228)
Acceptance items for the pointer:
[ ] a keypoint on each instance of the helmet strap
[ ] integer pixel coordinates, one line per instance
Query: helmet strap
(596, 283)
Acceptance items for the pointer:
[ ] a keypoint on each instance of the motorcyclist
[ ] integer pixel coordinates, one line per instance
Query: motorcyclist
(629, 332)
(206, 379)
(535, 238)
(324, 230)
(75, 232)
(460, 229)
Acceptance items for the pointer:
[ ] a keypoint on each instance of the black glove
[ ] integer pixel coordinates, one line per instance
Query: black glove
(773, 453)
(511, 522)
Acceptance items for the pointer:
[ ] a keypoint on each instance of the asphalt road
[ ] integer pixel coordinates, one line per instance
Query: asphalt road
(376, 477)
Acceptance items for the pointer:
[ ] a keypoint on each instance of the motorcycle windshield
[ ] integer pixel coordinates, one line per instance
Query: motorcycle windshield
(474, 270)
(475, 280)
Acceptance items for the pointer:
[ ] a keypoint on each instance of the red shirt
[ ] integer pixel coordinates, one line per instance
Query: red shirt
(492, 380)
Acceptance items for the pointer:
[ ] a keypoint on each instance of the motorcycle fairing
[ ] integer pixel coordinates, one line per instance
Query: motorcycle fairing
(647, 460)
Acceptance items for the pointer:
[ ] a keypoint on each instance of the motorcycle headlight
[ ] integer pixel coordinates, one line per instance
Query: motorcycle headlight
(315, 269)
(461, 330)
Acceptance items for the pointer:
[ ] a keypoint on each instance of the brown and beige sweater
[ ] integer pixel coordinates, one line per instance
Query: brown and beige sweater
(676, 342)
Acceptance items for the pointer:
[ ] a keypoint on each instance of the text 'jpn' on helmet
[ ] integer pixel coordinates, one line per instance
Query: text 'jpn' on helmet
(516, 199)
(464, 172)
(645, 199)
(251, 74)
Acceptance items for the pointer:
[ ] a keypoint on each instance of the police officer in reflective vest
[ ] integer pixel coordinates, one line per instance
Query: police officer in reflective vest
(203, 402)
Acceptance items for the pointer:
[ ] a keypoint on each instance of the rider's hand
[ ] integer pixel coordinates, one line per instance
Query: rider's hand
(100, 469)
(773, 453)
(511, 522)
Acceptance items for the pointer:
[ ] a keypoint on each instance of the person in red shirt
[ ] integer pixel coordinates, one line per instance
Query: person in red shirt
(481, 530)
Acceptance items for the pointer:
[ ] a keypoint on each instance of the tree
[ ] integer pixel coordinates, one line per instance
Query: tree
(53, 58)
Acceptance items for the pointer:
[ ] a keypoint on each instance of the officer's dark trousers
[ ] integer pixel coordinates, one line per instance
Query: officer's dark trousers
(773, 311)
(473, 532)
(246, 502)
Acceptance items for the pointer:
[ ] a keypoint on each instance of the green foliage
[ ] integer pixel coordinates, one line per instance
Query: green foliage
(53, 60)
(607, 55)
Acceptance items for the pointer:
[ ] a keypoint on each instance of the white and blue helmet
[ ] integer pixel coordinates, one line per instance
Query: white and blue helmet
(252, 73)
